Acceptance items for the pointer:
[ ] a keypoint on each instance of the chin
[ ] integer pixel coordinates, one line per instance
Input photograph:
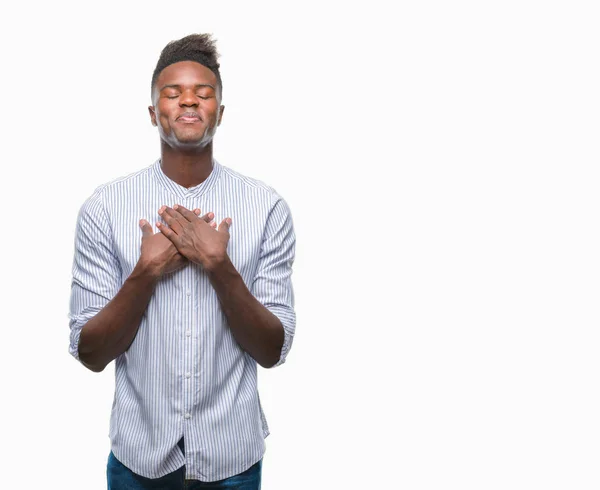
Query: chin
(192, 142)
(188, 139)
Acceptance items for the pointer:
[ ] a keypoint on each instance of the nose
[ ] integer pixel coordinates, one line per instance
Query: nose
(188, 99)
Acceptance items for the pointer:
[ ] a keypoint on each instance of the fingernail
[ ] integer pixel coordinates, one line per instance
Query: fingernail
(176, 206)
(228, 221)
(211, 215)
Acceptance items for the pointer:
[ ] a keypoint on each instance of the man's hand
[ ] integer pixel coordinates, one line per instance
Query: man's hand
(195, 239)
(158, 254)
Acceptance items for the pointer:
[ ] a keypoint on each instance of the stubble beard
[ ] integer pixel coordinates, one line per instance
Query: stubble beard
(180, 141)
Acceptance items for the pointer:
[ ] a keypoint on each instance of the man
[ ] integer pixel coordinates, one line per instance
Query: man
(189, 313)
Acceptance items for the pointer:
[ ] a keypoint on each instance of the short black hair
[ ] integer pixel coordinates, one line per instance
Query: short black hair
(200, 48)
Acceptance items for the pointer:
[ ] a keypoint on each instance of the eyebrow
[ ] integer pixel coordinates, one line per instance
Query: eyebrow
(200, 85)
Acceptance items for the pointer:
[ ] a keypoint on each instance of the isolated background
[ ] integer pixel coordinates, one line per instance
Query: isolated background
(441, 163)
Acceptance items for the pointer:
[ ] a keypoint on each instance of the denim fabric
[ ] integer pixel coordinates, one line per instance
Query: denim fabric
(122, 478)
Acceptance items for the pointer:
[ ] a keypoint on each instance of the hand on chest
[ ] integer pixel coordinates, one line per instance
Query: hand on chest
(242, 244)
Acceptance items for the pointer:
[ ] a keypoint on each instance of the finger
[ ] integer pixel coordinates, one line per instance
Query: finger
(166, 231)
(225, 225)
(206, 218)
(186, 213)
(170, 211)
(146, 229)
(175, 221)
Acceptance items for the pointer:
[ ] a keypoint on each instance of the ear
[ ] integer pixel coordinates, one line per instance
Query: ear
(221, 111)
(152, 114)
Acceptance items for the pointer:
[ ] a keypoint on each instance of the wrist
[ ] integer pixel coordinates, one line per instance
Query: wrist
(217, 265)
(147, 270)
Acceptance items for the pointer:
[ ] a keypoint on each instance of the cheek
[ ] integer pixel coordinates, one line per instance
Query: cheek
(163, 125)
(213, 115)
(163, 119)
(163, 111)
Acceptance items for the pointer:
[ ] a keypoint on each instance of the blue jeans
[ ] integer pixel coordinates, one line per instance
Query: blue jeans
(122, 478)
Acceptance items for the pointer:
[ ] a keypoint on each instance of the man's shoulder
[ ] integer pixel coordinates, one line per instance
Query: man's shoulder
(96, 201)
(133, 179)
(250, 184)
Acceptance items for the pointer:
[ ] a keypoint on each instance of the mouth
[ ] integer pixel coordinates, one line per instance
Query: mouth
(189, 117)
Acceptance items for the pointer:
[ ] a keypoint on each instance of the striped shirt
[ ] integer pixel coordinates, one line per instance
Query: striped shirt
(185, 375)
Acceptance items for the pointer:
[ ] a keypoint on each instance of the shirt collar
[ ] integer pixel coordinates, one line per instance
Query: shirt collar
(184, 192)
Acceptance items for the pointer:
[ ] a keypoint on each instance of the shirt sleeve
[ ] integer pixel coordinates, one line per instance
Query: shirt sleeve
(272, 285)
(96, 269)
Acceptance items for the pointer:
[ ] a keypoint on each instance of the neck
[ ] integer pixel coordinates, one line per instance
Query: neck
(188, 168)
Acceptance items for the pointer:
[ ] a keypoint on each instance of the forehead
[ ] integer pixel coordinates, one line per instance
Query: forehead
(186, 73)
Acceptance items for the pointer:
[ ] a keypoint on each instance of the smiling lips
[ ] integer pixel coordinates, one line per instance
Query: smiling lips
(189, 117)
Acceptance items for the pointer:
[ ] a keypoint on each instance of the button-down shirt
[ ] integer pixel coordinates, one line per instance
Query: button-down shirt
(185, 375)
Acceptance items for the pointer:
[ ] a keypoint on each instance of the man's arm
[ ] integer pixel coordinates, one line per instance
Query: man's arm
(262, 318)
(110, 332)
(104, 324)
(258, 331)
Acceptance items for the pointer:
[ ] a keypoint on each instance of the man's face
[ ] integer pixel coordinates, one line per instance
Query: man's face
(186, 109)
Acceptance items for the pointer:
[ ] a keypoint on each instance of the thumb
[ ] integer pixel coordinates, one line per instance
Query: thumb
(146, 229)
(225, 225)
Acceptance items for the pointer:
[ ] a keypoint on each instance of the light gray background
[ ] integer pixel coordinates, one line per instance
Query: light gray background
(441, 163)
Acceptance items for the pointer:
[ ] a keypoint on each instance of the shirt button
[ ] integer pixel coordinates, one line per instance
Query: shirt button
(187, 416)
(188, 292)
(187, 375)
(188, 333)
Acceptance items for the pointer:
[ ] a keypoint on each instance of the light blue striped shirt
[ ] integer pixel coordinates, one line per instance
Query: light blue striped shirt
(185, 375)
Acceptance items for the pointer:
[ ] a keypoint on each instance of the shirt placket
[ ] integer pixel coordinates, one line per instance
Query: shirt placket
(190, 339)
(190, 354)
